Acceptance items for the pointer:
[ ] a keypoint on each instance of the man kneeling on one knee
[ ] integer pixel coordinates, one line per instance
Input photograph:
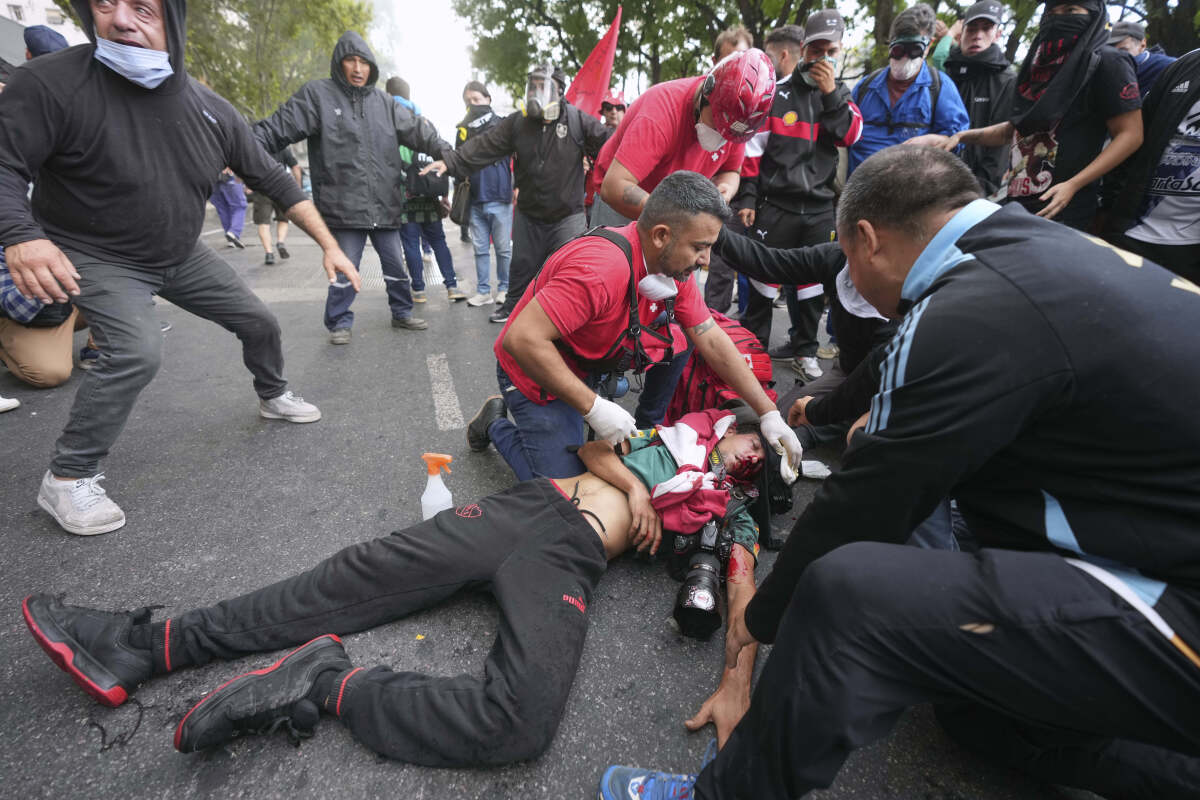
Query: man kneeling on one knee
(597, 308)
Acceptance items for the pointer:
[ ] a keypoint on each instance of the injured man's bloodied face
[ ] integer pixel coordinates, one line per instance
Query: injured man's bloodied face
(742, 454)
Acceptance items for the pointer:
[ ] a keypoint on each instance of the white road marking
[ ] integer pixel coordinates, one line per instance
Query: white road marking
(210, 233)
(445, 401)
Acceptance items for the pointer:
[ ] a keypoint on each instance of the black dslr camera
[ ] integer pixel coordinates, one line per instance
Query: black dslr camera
(700, 561)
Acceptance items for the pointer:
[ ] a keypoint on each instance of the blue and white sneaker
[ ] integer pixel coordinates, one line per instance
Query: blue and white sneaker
(634, 783)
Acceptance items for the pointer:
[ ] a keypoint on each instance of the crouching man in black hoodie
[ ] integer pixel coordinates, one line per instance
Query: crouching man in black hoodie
(123, 148)
(1066, 647)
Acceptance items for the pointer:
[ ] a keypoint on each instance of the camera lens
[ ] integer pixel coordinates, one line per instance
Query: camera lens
(696, 604)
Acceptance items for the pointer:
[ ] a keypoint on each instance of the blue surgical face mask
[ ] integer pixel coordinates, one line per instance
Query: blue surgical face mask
(145, 67)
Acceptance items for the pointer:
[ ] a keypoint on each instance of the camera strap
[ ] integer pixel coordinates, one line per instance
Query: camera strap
(619, 358)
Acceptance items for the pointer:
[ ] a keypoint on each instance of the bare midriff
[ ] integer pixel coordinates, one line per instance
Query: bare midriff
(604, 506)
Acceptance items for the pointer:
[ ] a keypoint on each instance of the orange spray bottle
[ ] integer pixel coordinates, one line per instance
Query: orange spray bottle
(436, 497)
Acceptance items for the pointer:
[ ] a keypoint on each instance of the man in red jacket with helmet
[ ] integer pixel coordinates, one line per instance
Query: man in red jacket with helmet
(697, 124)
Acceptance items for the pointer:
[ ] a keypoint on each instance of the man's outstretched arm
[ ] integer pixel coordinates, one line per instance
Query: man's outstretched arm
(306, 216)
(728, 704)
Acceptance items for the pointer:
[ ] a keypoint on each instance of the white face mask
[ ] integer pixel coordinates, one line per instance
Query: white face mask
(657, 287)
(710, 140)
(851, 300)
(904, 69)
(145, 67)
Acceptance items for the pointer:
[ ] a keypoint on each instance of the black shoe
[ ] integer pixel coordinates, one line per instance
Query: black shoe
(234, 240)
(264, 700)
(269, 258)
(409, 323)
(499, 315)
(785, 352)
(283, 251)
(477, 429)
(91, 646)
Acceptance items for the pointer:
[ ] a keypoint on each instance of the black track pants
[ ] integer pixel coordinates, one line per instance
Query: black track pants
(1027, 658)
(527, 546)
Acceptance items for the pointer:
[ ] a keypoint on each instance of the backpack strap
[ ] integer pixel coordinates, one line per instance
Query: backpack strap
(935, 91)
(617, 359)
(861, 88)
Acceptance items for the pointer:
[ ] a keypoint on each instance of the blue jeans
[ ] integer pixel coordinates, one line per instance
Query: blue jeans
(492, 221)
(658, 389)
(411, 235)
(386, 242)
(535, 442)
(937, 531)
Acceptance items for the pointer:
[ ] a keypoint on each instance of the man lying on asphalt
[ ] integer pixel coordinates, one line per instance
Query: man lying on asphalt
(539, 548)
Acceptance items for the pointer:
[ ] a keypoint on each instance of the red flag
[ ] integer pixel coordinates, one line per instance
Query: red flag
(591, 84)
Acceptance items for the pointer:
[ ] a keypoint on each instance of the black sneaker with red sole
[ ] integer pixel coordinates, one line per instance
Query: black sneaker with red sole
(90, 645)
(264, 700)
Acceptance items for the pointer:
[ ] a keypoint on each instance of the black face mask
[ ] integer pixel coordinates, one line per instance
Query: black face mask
(475, 112)
(1065, 26)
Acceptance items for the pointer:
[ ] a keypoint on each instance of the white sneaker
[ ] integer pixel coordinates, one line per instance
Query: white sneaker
(9, 403)
(290, 407)
(80, 506)
(477, 300)
(501, 297)
(807, 367)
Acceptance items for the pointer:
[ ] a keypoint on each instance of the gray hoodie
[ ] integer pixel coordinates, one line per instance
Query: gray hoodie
(354, 134)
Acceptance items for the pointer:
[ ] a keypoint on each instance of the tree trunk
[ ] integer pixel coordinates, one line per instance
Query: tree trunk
(1172, 28)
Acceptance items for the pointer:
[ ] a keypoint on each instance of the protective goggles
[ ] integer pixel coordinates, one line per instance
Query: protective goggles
(911, 49)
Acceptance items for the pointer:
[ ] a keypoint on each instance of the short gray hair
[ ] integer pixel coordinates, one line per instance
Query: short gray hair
(786, 34)
(901, 186)
(681, 196)
(913, 21)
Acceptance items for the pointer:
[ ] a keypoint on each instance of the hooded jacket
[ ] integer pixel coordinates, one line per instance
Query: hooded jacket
(548, 163)
(985, 81)
(354, 134)
(120, 172)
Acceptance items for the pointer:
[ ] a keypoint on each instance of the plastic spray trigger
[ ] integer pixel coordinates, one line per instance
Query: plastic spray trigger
(436, 462)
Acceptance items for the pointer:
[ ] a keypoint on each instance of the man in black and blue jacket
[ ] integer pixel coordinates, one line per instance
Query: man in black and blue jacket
(1066, 647)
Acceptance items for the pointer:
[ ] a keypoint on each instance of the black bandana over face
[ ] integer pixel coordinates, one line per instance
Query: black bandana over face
(1060, 62)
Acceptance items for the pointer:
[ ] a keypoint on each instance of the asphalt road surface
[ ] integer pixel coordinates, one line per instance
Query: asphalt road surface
(220, 502)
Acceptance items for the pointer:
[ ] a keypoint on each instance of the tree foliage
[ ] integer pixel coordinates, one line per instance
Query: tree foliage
(665, 39)
(256, 53)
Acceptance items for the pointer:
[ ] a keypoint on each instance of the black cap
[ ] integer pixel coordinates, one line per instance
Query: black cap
(826, 24)
(1123, 30)
(985, 9)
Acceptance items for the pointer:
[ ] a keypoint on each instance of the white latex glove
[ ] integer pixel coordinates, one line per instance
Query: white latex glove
(781, 437)
(613, 423)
